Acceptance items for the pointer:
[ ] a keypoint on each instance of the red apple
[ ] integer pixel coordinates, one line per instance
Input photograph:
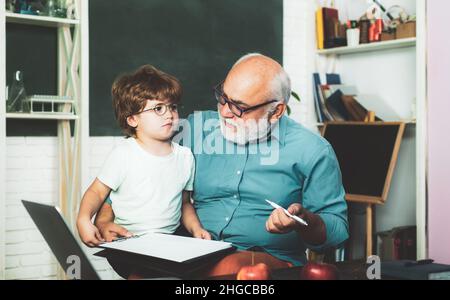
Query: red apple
(316, 271)
(257, 272)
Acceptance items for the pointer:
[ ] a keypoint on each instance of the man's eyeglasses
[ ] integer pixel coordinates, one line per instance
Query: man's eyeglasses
(160, 109)
(238, 111)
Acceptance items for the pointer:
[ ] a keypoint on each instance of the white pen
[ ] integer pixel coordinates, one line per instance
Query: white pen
(296, 218)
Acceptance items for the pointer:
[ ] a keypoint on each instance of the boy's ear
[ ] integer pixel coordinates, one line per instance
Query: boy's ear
(132, 121)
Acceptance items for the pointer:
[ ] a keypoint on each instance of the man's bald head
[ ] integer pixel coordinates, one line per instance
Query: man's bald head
(262, 76)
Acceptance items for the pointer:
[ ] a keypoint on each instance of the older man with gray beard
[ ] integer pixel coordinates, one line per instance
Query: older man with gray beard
(249, 151)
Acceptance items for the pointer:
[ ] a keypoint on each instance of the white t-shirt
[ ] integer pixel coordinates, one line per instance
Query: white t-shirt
(146, 189)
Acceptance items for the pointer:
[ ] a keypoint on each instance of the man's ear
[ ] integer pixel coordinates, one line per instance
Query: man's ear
(280, 108)
(132, 121)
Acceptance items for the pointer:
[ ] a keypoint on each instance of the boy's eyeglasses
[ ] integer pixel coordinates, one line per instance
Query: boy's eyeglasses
(160, 109)
(223, 99)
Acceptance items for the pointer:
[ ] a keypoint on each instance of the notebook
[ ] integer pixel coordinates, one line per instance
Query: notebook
(168, 247)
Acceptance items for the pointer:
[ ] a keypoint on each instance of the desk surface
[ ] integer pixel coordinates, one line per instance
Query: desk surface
(349, 270)
(353, 270)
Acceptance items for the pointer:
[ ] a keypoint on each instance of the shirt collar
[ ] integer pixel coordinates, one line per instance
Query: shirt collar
(279, 130)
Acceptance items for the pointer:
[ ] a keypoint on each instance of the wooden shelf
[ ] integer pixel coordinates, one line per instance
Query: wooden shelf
(379, 46)
(407, 122)
(41, 116)
(39, 20)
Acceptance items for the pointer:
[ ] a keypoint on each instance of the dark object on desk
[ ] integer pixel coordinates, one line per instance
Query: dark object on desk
(349, 270)
(415, 270)
(178, 249)
(163, 267)
(398, 243)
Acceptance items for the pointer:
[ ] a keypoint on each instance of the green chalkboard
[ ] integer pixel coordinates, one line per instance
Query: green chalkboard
(194, 40)
(33, 50)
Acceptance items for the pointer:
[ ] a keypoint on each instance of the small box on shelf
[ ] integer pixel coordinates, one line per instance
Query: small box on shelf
(406, 30)
(388, 36)
(50, 104)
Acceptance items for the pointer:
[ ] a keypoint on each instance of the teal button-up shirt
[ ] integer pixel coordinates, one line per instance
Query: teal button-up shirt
(232, 182)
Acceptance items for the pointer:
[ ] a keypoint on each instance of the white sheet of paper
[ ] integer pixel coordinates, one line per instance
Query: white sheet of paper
(170, 247)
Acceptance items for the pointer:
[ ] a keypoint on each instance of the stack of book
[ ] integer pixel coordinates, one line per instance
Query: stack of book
(337, 102)
(330, 33)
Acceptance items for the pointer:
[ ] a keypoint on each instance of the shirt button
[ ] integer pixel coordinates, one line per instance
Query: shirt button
(226, 219)
(238, 172)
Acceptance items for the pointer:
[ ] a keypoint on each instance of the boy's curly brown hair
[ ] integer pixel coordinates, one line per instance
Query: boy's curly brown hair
(130, 93)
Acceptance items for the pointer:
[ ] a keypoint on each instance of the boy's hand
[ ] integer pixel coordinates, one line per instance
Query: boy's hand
(89, 234)
(111, 231)
(201, 233)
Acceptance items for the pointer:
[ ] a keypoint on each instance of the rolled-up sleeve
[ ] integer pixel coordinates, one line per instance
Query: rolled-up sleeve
(324, 194)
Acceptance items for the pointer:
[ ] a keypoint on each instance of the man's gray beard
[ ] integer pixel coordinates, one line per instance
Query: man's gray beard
(253, 132)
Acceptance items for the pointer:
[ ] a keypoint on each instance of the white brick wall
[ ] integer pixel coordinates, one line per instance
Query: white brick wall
(298, 56)
(32, 163)
(32, 174)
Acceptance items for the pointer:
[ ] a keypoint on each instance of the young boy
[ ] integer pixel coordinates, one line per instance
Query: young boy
(149, 178)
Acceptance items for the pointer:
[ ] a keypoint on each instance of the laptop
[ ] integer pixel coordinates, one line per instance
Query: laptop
(61, 241)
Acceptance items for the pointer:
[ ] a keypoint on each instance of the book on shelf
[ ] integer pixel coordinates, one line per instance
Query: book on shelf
(348, 90)
(332, 80)
(356, 111)
(319, 28)
(337, 106)
(322, 94)
(334, 34)
(318, 106)
(330, 33)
